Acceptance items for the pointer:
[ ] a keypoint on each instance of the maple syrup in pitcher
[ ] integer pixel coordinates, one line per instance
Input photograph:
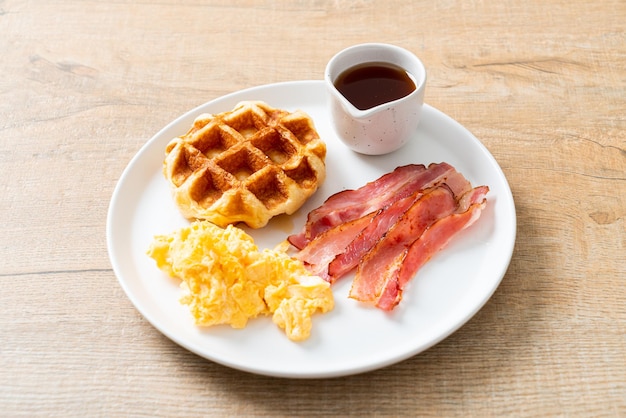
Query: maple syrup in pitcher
(371, 84)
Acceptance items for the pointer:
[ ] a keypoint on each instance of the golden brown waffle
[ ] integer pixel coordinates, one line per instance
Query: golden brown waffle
(246, 165)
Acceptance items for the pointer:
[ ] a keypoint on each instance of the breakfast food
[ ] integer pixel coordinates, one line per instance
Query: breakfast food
(383, 201)
(425, 229)
(245, 165)
(388, 229)
(352, 204)
(226, 279)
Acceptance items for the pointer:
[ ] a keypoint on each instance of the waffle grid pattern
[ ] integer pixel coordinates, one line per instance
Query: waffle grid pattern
(247, 165)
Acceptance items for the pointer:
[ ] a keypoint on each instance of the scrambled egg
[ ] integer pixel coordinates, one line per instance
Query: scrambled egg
(227, 280)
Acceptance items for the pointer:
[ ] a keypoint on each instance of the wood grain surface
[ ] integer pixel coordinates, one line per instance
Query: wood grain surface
(84, 84)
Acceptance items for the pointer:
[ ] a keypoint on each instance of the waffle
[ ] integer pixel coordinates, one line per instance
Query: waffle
(246, 165)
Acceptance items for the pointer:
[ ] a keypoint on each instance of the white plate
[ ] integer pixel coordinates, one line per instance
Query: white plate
(352, 338)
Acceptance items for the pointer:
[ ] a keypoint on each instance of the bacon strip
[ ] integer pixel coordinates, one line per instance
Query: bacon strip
(351, 254)
(390, 228)
(406, 264)
(353, 204)
(335, 252)
(372, 272)
(383, 221)
(324, 248)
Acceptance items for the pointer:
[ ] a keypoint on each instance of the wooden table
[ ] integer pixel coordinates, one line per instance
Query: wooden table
(83, 85)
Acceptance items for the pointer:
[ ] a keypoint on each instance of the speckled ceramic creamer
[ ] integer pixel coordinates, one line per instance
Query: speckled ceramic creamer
(388, 126)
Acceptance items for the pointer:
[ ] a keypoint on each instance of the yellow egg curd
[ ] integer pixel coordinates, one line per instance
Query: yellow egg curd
(226, 279)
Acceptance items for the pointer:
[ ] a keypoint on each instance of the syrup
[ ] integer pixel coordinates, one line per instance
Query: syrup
(371, 84)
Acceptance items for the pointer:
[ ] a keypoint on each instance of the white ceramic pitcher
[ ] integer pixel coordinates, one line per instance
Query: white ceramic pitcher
(388, 126)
